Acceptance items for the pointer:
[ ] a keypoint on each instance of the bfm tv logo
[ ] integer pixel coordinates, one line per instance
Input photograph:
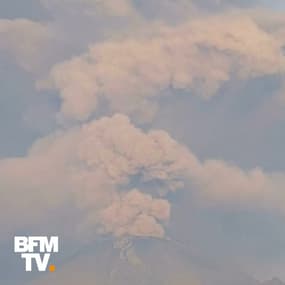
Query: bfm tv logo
(37, 248)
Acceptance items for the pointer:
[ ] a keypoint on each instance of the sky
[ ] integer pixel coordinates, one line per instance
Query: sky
(148, 136)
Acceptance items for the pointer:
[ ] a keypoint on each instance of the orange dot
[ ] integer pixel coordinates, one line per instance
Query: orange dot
(52, 268)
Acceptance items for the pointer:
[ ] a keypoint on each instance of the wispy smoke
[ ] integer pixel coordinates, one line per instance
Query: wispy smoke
(199, 56)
